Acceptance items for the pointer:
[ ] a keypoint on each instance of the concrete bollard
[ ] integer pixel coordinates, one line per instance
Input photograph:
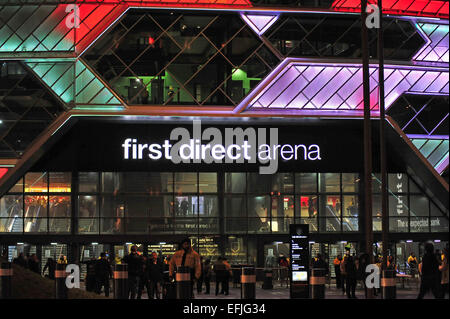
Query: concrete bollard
(120, 276)
(183, 279)
(388, 287)
(6, 273)
(317, 283)
(267, 284)
(60, 281)
(248, 283)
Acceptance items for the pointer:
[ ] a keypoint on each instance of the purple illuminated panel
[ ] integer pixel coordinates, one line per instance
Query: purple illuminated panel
(436, 49)
(260, 23)
(318, 86)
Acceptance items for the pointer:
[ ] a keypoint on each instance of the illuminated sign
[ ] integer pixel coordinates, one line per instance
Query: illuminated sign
(299, 254)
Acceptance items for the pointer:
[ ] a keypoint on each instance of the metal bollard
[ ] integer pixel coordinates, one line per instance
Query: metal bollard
(248, 283)
(317, 283)
(6, 273)
(388, 288)
(183, 279)
(60, 281)
(267, 284)
(120, 276)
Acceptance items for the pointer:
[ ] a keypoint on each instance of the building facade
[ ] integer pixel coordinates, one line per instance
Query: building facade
(90, 92)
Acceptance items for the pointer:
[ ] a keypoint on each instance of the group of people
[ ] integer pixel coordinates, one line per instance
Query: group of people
(32, 263)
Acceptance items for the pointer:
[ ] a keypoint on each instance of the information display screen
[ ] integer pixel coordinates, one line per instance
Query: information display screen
(299, 253)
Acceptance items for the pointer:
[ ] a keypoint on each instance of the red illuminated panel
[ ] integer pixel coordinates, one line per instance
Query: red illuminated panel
(3, 171)
(421, 8)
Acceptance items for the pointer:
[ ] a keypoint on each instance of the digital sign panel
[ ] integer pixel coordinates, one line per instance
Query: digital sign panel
(299, 253)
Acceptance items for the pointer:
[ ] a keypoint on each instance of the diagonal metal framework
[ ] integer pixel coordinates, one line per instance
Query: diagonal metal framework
(436, 48)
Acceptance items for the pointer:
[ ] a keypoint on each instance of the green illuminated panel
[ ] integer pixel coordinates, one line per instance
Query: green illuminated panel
(438, 153)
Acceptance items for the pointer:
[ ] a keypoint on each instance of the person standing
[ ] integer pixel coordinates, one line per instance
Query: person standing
(155, 269)
(350, 277)
(200, 279)
(429, 272)
(443, 268)
(226, 280)
(91, 280)
(337, 270)
(33, 264)
(188, 257)
(103, 273)
(207, 275)
(219, 269)
(144, 279)
(51, 266)
(412, 263)
(134, 261)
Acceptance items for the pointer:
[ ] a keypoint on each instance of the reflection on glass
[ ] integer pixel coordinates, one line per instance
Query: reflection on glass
(11, 206)
(308, 206)
(305, 182)
(60, 206)
(258, 183)
(419, 224)
(283, 183)
(185, 183)
(88, 182)
(398, 183)
(329, 182)
(36, 206)
(207, 182)
(235, 206)
(235, 182)
(258, 213)
(351, 205)
(88, 225)
(398, 224)
(35, 225)
(350, 182)
(36, 183)
(350, 224)
(59, 225)
(87, 206)
(18, 187)
(186, 205)
(418, 205)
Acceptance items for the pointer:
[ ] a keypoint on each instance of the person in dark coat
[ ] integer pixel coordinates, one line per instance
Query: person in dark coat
(200, 279)
(320, 264)
(134, 261)
(33, 264)
(155, 271)
(91, 280)
(144, 280)
(220, 270)
(350, 276)
(207, 275)
(51, 266)
(429, 272)
(103, 273)
(21, 260)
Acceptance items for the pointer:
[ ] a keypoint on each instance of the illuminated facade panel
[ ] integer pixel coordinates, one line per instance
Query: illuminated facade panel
(436, 49)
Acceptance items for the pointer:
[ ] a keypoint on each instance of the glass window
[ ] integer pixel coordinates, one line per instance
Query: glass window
(88, 182)
(282, 213)
(236, 250)
(398, 183)
(376, 206)
(435, 211)
(112, 206)
(88, 225)
(398, 224)
(306, 182)
(185, 183)
(377, 224)
(258, 183)
(307, 206)
(330, 206)
(137, 225)
(283, 183)
(419, 224)
(329, 182)
(413, 188)
(160, 206)
(258, 213)
(186, 226)
(60, 182)
(235, 182)
(186, 206)
(60, 206)
(312, 222)
(351, 206)
(36, 183)
(418, 205)
(112, 225)
(110, 182)
(87, 206)
(350, 182)
(236, 225)
(350, 224)
(18, 187)
(208, 226)
(398, 205)
(163, 226)
(439, 224)
(36, 206)
(207, 182)
(35, 225)
(136, 206)
(11, 206)
(59, 225)
(376, 183)
(208, 206)
(11, 225)
(235, 206)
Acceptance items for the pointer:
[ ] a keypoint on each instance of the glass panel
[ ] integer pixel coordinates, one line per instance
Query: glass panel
(36, 182)
(350, 224)
(439, 224)
(87, 206)
(235, 206)
(413, 188)
(312, 222)
(306, 206)
(281, 225)
(59, 225)
(376, 206)
(398, 225)
(331, 224)
(235, 182)
(186, 205)
(330, 206)
(36, 206)
(11, 225)
(351, 206)
(283, 183)
(88, 182)
(377, 224)
(136, 206)
(435, 211)
(110, 182)
(419, 224)
(60, 206)
(163, 226)
(208, 226)
(137, 225)
(282, 213)
(306, 183)
(350, 182)
(185, 183)
(186, 225)
(35, 225)
(398, 183)
(60, 182)
(112, 206)
(258, 183)
(398, 205)
(112, 225)
(258, 225)
(208, 206)
(207, 182)
(236, 225)
(236, 250)
(160, 206)
(88, 225)
(258, 213)
(376, 183)
(329, 182)
(418, 205)
(11, 206)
